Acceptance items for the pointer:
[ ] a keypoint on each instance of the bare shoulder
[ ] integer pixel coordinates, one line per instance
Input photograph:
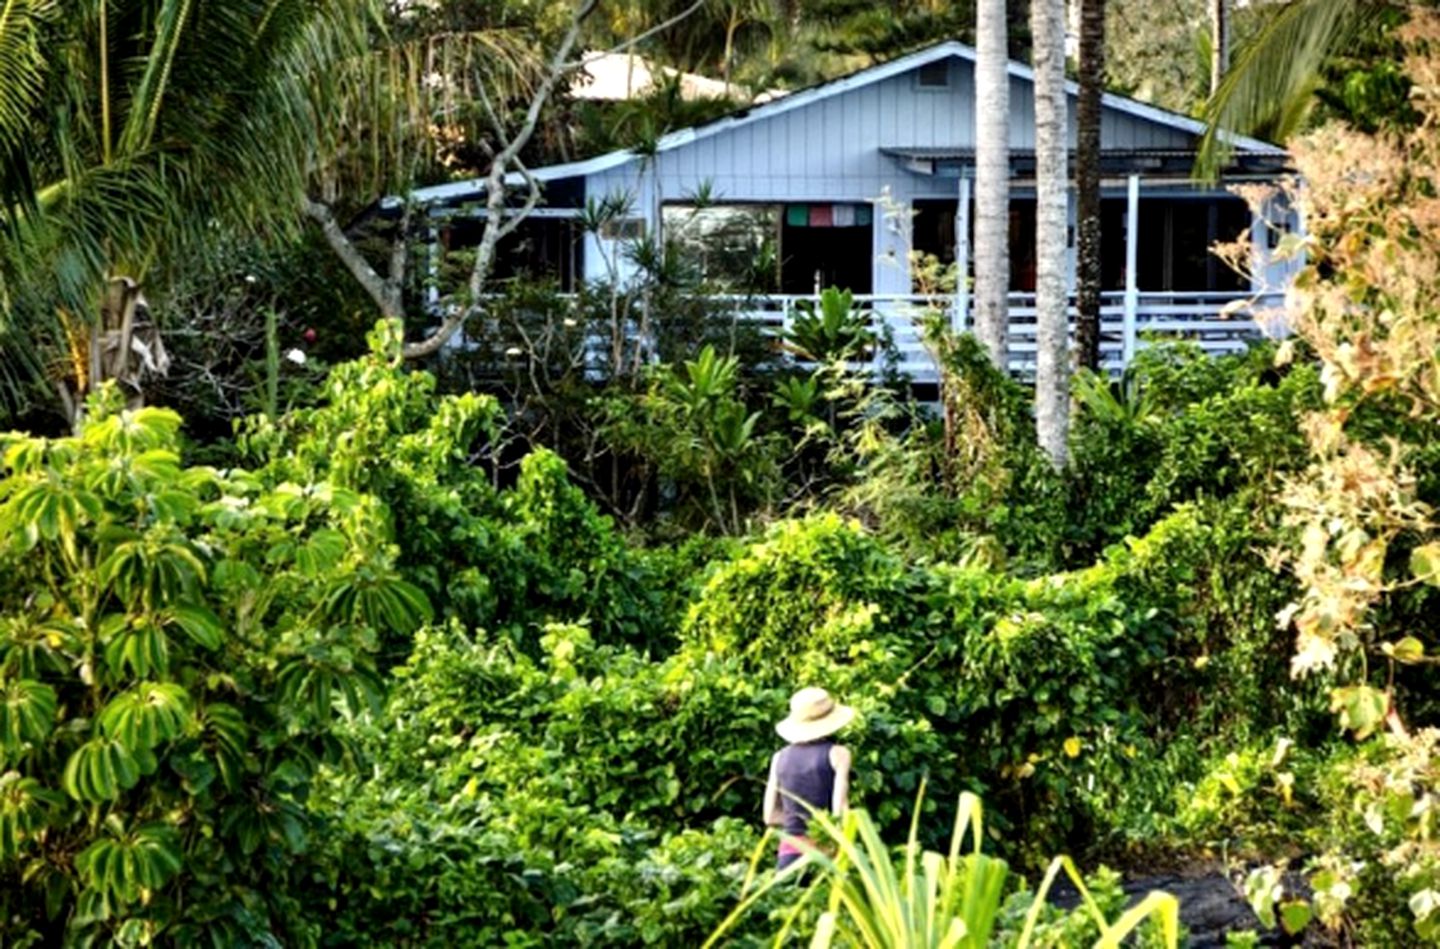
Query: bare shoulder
(839, 756)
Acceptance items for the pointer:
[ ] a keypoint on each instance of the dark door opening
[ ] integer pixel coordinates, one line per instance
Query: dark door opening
(1174, 241)
(825, 256)
(539, 249)
(932, 229)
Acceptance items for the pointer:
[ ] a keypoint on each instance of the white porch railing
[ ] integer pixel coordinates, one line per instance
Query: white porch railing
(1219, 322)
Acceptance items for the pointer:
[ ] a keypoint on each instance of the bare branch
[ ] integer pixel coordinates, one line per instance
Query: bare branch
(495, 192)
(366, 275)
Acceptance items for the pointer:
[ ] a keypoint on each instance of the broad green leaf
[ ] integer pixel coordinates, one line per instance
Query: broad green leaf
(101, 770)
(1295, 915)
(200, 624)
(27, 713)
(1425, 563)
(147, 715)
(127, 867)
(25, 809)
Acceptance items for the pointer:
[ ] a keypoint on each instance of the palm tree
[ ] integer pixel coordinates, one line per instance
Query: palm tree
(1269, 87)
(1219, 42)
(1091, 76)
(992, 180)
(132, 134)
(1052, 179)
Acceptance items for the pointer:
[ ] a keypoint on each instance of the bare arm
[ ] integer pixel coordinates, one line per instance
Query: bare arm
(840, 797)
(774, 812)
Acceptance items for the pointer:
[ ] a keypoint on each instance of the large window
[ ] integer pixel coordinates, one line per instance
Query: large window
(1173, 250)
(734, 246)
(540, 249)
(769, 248)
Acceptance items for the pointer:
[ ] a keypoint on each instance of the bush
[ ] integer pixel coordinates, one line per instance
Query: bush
(508, 560)
(1181, 427)
(176, 643)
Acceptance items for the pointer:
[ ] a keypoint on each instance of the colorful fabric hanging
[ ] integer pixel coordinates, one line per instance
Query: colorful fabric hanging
(863, 215)
(797, 215)
(822, 215)
(844, 215)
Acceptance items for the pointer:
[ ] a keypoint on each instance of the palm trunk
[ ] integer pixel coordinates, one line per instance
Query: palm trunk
(1219, 43)
(1052, 362)
(992, 179)
(1087, 182)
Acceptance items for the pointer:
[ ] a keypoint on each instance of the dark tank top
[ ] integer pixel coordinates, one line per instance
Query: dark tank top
(804, 772)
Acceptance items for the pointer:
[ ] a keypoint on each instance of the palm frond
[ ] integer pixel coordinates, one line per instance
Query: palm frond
(1269, 87)
(22, 66)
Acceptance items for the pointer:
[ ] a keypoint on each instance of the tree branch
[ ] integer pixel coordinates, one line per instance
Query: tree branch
(495, 192)
(366, 275)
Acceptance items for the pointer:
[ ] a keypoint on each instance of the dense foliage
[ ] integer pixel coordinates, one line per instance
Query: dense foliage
(493, 654)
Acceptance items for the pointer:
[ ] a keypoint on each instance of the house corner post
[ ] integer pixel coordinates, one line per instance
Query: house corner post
(1132, 291)
(962, 256)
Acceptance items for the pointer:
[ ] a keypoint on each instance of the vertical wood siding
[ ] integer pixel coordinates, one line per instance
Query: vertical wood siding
(831, 150)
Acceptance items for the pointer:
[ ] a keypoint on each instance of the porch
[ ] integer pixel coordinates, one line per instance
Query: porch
(1219, 322)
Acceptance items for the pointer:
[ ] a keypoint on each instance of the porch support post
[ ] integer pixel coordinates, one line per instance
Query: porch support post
(1132, 291)
(432, 265)
(962, 256)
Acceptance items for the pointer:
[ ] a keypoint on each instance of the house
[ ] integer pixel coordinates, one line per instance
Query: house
(843, 182)
(615, 77)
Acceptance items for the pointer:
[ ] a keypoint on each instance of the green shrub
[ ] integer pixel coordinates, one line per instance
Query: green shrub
(508, 560)
(1180, 426)
(1022, 689)
(174, 645)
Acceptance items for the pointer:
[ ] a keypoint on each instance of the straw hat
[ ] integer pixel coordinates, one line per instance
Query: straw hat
(813, 715)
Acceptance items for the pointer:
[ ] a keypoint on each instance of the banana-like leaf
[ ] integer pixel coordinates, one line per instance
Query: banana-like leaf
(101, 770)
(27, 714)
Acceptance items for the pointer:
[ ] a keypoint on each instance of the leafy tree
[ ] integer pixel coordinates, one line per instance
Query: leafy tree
(1270, 89)
(175, 643)
(132, 134)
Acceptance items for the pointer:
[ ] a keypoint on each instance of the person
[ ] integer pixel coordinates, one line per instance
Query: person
(810, 773)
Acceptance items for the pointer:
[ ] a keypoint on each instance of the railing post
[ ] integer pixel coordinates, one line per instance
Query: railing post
(962, 257)
(1132, 291)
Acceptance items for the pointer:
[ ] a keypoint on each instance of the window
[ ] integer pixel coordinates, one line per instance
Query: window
(623, 229)
(1175, 240)
(734, 246)
(934, 75)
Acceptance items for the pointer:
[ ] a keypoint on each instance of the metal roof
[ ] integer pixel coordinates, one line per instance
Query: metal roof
(800, 99)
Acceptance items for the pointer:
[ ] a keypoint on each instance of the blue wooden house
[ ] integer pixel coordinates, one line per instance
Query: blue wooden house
(844, 182)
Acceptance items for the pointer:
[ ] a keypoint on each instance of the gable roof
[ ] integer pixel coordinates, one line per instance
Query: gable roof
(833, 87)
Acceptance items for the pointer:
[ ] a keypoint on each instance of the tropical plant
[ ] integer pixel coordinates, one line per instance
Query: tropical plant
(1364, 512)
(178, 123)
(695, 429)
(174, 647)
(1270, 87)
(929, 899)
(831, 329)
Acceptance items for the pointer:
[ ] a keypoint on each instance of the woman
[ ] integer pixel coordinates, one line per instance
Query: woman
(811, 773)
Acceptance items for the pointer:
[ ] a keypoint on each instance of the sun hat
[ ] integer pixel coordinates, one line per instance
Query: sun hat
(813, 715)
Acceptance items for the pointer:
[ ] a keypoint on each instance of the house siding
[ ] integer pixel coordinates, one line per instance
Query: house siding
(831, 150)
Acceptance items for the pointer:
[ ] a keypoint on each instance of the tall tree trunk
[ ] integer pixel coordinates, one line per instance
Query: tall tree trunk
(1219, 42)
(1052, 180)
(992, 180)
(1087, 182)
